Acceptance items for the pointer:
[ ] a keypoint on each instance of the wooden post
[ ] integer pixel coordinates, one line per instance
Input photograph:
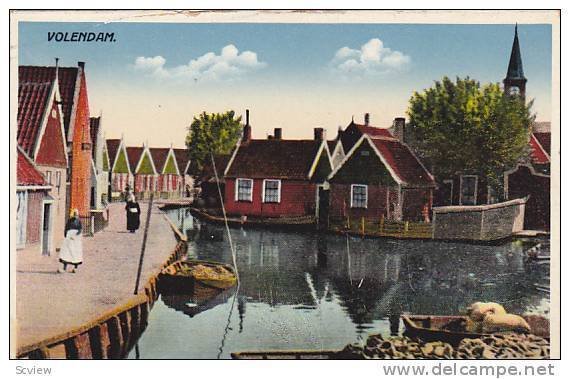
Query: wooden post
(406, 227)
(381, 224)
(362, 225)
(149, 211)
(348, 222)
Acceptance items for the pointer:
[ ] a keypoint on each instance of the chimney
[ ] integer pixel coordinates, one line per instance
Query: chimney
(81, 64)
(367, 119)
(400, 128)
(246, 137)
(277, 133)
(320, 134)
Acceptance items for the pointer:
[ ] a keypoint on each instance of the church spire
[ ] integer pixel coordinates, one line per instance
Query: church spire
(515, 70)
(515, 82)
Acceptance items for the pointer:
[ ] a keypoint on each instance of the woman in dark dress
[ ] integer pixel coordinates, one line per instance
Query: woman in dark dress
(133, 214)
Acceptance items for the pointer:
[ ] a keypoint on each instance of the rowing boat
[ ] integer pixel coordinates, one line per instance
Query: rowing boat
(191, 276)
(452, 329)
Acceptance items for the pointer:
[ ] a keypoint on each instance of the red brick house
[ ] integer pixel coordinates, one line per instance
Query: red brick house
(169, 179)
(380, 177)
(144, 171)
(41, 137)
(75, 107)
(275, 177)
(183, 161)
(34, 216)
(120, 173)
(532, 179)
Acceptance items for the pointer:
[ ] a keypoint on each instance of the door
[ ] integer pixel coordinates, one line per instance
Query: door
(46, 230)
(323, 207)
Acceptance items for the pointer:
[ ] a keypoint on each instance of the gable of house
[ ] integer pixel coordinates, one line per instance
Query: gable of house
(106, 162)
(121, 165)
(52, 149)
(363, 166)
(145, 166)
(323, 167)
(170, 167)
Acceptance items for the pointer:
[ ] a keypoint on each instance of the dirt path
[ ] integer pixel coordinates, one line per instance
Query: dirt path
(48, 303)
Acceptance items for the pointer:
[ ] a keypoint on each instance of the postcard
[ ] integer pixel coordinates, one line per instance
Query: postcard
(285, 184)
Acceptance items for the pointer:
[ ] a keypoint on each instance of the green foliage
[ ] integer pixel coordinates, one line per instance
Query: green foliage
(170, 166)
(217, 133)
(146, 166)
(463, 127)
(121, 166)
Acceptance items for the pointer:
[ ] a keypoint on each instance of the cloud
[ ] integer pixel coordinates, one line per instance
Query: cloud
(372, 58)
(229, 64)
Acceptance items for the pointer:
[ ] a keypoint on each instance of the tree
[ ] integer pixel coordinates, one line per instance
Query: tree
(463, 127)
(215, 133)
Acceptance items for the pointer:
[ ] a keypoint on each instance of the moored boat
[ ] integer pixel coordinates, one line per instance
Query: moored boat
(191, 276)
(452, 329)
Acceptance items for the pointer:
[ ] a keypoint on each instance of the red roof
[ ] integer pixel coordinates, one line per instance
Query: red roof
(27, 174)
(541, 126)
(402, 162)
(373, 131)
(544, 140)
(94, 130)
(285, 159)
(134, 155)
(112, 148)
(32, 103)
(537, 152)
(67, 79)
(182, 159)
(159, 156)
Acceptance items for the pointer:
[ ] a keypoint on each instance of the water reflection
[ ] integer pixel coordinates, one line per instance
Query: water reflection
(318, 291)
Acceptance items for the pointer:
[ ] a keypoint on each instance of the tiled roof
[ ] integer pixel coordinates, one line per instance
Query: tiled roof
(182, 159)
(541, 127)
(537, 152)
(134, 155)
(352, 133)
(67, 79)
(373, 131)
(112, 148)
(544, 140)
(26, 172)
(94, 130)
(32, 103)
(285, 159)
(402, 162)
(159, 155)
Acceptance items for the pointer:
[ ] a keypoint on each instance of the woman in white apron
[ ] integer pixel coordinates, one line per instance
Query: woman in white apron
(71, 252)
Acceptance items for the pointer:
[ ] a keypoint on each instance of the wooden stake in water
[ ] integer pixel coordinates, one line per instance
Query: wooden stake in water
(145, 235)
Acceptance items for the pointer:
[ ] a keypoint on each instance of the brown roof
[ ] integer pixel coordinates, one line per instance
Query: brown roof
(159, 155)
(134, 155)
(352, 133)
(285, 159)
(402, 162)
(32, 103)
(373, 131)
(67, 78)
(182, 159)
(112, 148)
(541, 126)
(94, 130)
(544, 140)
(26, 172)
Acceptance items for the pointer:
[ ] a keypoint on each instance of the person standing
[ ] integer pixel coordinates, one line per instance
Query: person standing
(133, 213)
(71, 252)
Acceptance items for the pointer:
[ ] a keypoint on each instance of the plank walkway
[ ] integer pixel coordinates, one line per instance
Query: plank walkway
(48, 303)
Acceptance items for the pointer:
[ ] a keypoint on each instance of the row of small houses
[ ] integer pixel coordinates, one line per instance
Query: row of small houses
(366, 172)
(64, 162)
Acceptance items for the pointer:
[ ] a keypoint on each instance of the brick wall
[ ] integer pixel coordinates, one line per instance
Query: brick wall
(34, 218)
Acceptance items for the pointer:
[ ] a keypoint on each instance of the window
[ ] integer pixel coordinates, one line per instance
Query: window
(271, 191)
(48, 177)
(58, 179)
(468, 193)
(358, 196)
(244, 190)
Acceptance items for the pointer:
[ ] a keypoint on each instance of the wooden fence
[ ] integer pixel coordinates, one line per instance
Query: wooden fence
(380, 227)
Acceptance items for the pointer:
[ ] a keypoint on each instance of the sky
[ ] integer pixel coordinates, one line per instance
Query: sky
(155, 77)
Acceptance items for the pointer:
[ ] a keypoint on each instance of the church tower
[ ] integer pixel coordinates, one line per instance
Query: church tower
(515, 82)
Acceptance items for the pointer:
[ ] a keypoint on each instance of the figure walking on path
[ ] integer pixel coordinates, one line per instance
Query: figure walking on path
(72, 248)
(133, 213)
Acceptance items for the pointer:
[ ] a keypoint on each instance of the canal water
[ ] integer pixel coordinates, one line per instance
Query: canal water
(302, 290)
